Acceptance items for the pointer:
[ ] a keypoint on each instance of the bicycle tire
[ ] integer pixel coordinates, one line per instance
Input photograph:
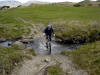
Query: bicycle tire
(50, 47)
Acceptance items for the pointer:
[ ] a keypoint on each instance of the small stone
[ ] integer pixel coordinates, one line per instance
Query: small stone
(9, 43)
(29, 48)
(2, 39)
(47, 60)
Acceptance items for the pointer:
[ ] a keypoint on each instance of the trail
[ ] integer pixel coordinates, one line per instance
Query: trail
(39, 63)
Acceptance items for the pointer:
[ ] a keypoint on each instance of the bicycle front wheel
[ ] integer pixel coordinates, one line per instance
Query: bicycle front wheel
(50, 47)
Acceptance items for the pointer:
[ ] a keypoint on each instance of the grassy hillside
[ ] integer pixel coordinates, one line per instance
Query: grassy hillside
(45, 13)
(11, 24)
(87, 57)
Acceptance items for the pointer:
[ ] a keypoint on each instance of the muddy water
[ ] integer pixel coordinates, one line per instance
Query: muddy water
(40, 47)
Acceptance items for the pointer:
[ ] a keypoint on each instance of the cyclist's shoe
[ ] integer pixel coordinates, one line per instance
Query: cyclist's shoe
(46, 46)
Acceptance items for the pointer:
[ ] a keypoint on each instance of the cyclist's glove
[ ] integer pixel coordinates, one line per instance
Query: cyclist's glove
(43, 34)
(54, 35)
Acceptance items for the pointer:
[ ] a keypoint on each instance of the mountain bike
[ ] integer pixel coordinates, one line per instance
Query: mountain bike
(48, 42)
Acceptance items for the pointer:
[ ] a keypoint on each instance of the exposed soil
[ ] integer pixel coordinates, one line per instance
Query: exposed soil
(38, 65)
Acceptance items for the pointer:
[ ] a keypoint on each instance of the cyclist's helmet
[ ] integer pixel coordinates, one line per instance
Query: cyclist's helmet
(49, 26)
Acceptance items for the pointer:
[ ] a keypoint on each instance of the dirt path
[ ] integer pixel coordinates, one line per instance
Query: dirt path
(39, 63)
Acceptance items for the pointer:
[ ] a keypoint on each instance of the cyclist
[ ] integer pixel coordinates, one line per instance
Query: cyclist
(48, 31)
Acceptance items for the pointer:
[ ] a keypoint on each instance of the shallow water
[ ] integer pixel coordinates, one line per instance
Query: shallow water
(5, 44)
(40, 47)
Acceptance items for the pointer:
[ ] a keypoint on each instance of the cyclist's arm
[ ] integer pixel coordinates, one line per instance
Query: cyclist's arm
(53, 32)
(44, 32)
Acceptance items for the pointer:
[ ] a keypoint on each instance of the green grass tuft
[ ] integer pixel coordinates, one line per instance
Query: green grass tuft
(9, 57)
(54, 70)
(31, 51)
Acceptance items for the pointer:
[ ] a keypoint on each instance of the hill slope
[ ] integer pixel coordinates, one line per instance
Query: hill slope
(65, 3)
(11, 3)
(59, 16)
(91, 3)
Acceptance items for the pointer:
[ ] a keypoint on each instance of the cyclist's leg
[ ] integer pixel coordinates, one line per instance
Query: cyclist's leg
(49, 37)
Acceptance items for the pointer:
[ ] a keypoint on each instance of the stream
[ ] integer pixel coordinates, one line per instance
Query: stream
(40, 47)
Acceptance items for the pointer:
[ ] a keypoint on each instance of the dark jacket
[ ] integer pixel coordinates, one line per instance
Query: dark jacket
(48, 31)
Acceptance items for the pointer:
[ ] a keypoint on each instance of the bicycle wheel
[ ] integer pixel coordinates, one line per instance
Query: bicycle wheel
(50, 47)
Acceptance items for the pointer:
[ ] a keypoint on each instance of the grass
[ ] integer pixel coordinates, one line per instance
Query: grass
(74, 24)
(9, 57)
(50, 13)
(31, 51)
(13, 31)
(71, 19)
(78, 33)
(87, 57)
(54, 70)
(10, 26)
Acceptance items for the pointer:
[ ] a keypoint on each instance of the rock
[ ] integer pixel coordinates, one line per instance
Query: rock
(19, 44)
(29, 48)
(26, 40)
(26, 31)
(2, 39)
(18, 38)
(9, 43)
(47, 60)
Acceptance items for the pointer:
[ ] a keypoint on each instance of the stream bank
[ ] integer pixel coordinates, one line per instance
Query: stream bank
(40, 47)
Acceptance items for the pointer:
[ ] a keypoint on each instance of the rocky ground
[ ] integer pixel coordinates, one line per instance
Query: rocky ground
(39, 63)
